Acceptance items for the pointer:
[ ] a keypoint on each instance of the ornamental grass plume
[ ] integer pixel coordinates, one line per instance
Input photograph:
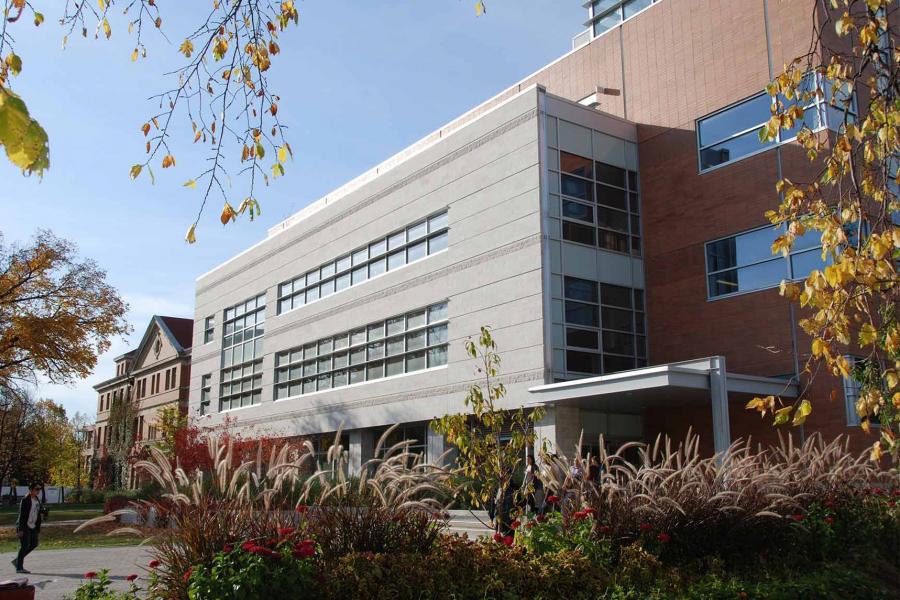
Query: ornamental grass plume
(393, 502)
(738, 499)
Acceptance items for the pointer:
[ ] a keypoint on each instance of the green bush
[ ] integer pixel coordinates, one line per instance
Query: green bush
(97, 588)
(279, 568)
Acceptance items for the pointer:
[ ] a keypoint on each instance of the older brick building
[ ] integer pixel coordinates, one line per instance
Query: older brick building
(604, 215)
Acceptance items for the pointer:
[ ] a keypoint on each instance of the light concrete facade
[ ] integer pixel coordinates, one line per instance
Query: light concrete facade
(503, 266)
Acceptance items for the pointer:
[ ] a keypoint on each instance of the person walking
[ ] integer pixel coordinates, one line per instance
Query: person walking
(533, 486)
(28, 526)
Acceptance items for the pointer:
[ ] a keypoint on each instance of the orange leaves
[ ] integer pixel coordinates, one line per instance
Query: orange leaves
(273, 109)
(168, 161)
(220, 47)
(145, 128)
(186, 48)
(228, 214)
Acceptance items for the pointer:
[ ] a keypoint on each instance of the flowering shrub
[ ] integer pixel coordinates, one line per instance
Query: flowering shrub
(557, 533)
(97, 587)
(281, 568)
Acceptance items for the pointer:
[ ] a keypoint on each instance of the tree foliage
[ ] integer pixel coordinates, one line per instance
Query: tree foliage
(121, 447)
(850, 305)
(491, 440)
(57, 312)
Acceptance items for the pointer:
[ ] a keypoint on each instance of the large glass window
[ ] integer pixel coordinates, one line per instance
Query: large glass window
(205, 393)
(599, 204)
(405, 343)
(605, 327)
(422, 238)
(744, 262)
(209, 329)
(242, 351)
(733, 132)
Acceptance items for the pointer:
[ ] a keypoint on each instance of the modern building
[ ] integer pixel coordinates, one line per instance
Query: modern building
(154, 375)
(604, 216)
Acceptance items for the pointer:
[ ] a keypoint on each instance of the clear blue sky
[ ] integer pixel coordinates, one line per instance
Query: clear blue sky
(359, 81)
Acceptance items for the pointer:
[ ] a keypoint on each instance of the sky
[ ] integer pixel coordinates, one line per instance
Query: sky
(359, 81)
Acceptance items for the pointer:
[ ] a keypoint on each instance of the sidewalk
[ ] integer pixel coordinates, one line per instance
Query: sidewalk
(55, 573)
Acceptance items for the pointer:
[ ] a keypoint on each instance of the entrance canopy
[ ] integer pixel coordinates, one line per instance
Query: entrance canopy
(697, 382)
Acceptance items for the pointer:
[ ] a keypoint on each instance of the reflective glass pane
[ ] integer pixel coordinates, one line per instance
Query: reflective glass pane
(580, 289)
(416, 340)
(581, 314)
(615, 318)
(732, 149)
(343, 263)
(437, 312)
(614, 364)
(312, 277)
(437, 222)
(804, 263)
(396, 240)
(377, 267)
(326, 289)
(395, 345)
(582, 338)
(416, 251)
(582, 234)
(396, 260)
(604, 23)
(437, 357)
(396, 325)
(416, 231)
(312, 294)
(357, 374)
(576, 165)
(755, 245)
(635, 6)
(416, 319)
(326, 270)
(437, 243)
(359, 275)
(577, 188)
(357, 336)
(378, 248)
(376, 331)
(582, 362)
(374, 370)
(342, 282)
(610, 175)
(339, 378)
(612, 219)
(393, 366)
(376, 350)
(577, 210)
(618, 343)
(743, 116)
(615, 295)
(415, 361)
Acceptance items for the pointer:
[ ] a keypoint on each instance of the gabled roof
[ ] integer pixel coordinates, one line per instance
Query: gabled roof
(178, 331)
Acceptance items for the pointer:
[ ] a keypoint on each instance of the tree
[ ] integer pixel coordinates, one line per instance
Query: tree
(57, 313)
(491, 441)
(851, 304)
(171, 421)
(16, 409)
(121, 420)
(51, 444)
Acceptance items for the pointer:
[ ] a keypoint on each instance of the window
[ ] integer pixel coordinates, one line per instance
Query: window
(745, 263)
(851, 393)
(205, 393)
(599, 204)
(419, 240)
(168, 378)
(733, 132)
(209, 329)
(606, 14)
(605, 327)
(405, 343)
(242, 351)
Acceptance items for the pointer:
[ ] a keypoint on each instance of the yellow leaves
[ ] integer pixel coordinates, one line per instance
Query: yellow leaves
(220, 47)
(480, 8)
(135, 171)
(101, 4)
(782, 415)
(250, 206)
(23, 138)
(186, 48)
(876, 453)
(867, 334)
(228, 214)
(38, 19)
(282, 154)
(168, 161)
(819, 347)
(844, 24)
(803, 411)
(107, 30)
(14, 63)
(134, 55)
(190, 183)
(762, 405)
(191, 236)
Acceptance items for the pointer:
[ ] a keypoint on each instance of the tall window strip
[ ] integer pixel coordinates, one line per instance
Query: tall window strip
(205, 393)
(209, 329)
(415, 242)
(605, 327)
(405, 343)
(599, 203)
(242, 351)
(745, 263)
(606, 14)
(733, 132)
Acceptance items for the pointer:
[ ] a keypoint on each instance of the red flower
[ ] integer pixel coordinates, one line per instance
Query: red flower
(248, 546)
(308, 543)
(131, 577)
(797, 518)
(154, 564)
(497, 537)
(529, 524)
(663, 537)
(304, 551)
(301, 508)
(604, 529)
(90, 574)
(829, 520)
(286, 531)
(645, 527)
(589, 511)
(515, 524)
(553, 499)
(508, 540)
(541, 518)
(187, 574)
(227, 548)
(580, 515)
(896, 493)
(829, 504)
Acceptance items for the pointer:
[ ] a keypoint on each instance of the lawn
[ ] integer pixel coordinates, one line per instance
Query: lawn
(64, 537)
(58, 512)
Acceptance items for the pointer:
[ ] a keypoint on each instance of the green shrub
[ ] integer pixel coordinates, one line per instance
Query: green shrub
(97, 588)
(555, 533)
(278, 568)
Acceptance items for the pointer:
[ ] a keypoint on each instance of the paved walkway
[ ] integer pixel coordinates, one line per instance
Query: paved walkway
(56, 573)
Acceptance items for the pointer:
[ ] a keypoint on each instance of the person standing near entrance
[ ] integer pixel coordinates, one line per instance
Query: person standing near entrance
(28, 526)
